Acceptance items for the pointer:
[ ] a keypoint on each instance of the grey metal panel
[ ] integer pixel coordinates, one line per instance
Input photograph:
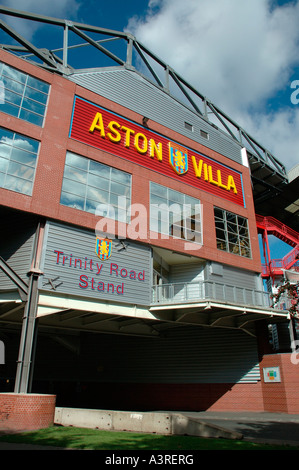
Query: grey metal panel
(129, 89)
(281, 336)
(187, 272)
(184, 355)
(213, 281)
(234, 285)
(234, 276)
(183, 274)
(189, 355)
(16, 247)
(81, 272)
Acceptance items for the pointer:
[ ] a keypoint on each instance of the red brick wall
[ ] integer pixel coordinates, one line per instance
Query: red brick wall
(55, 141)
(240, 397)
(281, 397)
(171, 396)
(25, 412)
(278, 397)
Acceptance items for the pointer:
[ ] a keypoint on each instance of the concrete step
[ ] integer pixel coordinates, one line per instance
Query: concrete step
(147, 422)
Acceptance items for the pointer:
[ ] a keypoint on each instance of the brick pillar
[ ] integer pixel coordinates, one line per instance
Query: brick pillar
(26, 412)
(281, 397)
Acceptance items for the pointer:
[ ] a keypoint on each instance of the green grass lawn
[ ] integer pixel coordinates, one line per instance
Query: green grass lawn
(94, 439)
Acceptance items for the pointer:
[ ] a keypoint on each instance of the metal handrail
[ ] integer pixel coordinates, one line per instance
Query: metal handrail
(271, 222)
(207, 290)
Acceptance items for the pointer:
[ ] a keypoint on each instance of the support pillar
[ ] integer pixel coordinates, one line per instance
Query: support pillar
(23, 410)
(29, 325)
(27, 337)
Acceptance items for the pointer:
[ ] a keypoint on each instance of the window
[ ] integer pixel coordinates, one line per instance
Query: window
(22, 95)
(189, 126)
(204, 134)
(175, 214)
(87, 184)
(232, 233)
(18, 157)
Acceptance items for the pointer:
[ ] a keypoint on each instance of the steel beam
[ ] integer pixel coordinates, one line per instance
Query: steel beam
(27, 337)
(96, 44)
(30, 47)
(16, 279)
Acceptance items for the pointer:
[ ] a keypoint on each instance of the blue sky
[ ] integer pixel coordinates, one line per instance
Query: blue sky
(278, 249)
(243, 55)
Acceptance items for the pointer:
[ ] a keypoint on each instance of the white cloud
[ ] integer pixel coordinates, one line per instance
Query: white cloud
(279, 130)
(64, 9)
(237, 53)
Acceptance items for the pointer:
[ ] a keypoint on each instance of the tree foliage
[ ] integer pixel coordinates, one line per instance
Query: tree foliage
(290, 292)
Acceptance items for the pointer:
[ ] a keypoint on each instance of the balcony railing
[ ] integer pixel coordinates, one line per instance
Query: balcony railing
(209, 290)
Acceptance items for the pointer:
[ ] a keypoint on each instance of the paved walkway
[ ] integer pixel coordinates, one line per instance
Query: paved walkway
(276, 428)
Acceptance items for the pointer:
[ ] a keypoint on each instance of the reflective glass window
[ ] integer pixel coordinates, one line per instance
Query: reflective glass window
(23, 96)
(174, 213)
(87, 184)
(18, 158)
(232, 234)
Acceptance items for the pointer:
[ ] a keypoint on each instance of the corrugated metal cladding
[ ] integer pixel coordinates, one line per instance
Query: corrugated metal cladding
(215, 272)
(16, 246)
(129, 89)
(184, 355)
(71, 264)
(232, 275)
(187, 272)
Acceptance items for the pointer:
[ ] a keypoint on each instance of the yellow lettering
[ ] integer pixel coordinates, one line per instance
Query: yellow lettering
(142, 146)
(128, 132)
(202, 169)
(155, 149)
(142, 137)
(97, 123)
(220, 184)
(115, 136)
(231, 184)
(205, 172)
(211, 176)
(197, 167)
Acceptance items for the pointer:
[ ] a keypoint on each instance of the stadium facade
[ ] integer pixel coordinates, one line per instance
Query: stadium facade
(131, 272)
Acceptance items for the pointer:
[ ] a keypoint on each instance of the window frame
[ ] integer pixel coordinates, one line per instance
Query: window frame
(14, 154)
(16, 94)
(89, 170)
(174, 204)
(230, 225)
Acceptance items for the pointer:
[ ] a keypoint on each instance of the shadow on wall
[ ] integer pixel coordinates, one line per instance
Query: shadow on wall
(134, 396)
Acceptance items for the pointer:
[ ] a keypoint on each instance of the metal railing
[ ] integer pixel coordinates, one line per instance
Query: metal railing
(277, 265)
(272, 224)
(209, 290)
